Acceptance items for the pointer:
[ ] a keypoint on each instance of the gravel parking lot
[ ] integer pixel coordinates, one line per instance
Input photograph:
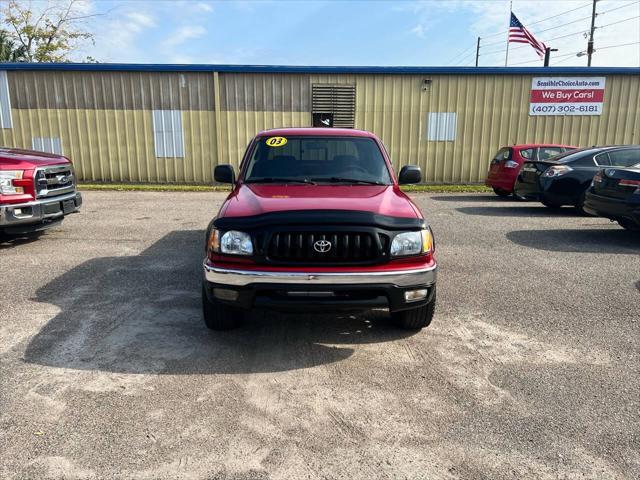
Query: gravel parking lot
(530, 368)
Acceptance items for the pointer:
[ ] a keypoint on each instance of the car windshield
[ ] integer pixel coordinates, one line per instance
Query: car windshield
(297, 159)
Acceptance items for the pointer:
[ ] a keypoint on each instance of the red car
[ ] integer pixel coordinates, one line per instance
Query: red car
(316, 220)
(37, 190)
(506, 165)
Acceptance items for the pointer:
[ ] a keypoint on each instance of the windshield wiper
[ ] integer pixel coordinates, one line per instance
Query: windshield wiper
(280, 180)
(348, 180)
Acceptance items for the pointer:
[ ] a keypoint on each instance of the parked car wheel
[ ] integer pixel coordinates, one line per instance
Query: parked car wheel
(580, 205)
(500, 192)
(416, 318)
(629, 225)
(218, 316)
(551, 204)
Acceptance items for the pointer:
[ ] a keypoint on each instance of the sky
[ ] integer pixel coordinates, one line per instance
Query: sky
(340, 32)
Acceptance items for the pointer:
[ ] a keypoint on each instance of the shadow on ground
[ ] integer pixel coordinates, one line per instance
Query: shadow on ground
(142, 314)
(605, 240)
(520, 211)
(8, 241)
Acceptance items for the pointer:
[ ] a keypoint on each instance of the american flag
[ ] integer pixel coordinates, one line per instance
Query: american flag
(519, 34)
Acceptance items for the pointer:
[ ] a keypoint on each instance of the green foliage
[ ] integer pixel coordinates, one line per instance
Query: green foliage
(49, 34)
(9, 51)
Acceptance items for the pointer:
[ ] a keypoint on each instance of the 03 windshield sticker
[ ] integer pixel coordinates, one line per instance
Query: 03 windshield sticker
(276, 141)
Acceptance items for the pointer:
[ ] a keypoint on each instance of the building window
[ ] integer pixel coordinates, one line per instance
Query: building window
(47, 144)
(5, 101)
(167, 133)
(333, 105)
(441, 126)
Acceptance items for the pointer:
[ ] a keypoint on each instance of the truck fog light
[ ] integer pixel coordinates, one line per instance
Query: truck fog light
(225, 294)
(415, 295)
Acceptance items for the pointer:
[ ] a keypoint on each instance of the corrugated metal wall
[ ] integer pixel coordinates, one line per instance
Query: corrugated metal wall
(105, 118)
(105, 121)
(491, 111)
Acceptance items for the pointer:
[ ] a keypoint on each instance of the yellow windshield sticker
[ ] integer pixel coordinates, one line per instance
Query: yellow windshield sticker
(276, 141)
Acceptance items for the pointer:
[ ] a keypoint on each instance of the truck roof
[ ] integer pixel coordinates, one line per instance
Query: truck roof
(315, 131)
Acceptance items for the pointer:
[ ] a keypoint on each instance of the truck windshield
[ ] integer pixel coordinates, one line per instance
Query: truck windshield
(297, 159)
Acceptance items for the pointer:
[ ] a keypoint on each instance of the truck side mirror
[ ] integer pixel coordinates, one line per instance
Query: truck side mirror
(224, 174)
(410, 174)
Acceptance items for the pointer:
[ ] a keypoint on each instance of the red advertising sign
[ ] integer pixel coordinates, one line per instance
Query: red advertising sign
(567, 96)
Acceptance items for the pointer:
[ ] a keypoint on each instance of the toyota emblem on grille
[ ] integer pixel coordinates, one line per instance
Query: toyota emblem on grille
(322, 246)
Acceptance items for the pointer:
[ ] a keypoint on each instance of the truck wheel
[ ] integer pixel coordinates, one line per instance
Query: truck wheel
(629, 225)
(500, 192)
(218, 316)
(416, 318)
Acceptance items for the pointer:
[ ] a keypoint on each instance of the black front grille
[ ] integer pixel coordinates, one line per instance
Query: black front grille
(326, 247)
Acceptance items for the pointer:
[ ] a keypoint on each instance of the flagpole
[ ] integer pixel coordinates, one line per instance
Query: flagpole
(506, 56)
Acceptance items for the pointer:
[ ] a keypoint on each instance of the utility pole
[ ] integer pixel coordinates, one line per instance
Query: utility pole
(477, 51)
(590, 49)
(547, 54)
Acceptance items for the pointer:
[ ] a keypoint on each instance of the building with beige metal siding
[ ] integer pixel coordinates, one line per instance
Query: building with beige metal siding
(174, 123)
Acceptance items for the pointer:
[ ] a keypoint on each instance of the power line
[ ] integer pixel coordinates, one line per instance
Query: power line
(535, 61)
(545, 19)
(458, 55)
(469, 56)
(567, 35)
(618, 8)
(568, 57)
(619, 45)
(581, 32)
(619, 21)
(564, 24)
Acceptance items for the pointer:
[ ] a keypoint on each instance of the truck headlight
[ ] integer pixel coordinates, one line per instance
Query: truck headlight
(412, 243)
(6, 182)
(234, 242)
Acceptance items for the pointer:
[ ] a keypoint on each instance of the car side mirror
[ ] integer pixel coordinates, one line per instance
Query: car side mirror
(410, 174)
(224, 174)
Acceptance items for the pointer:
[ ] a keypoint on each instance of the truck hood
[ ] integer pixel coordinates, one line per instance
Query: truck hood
(14, 158)
(253, 199)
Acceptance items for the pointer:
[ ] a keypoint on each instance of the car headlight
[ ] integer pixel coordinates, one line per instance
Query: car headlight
(6, 182)
(556, 171)
(412, 243)
(234, 242)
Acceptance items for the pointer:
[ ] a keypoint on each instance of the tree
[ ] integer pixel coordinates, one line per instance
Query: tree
(49, 34)
(9, 52)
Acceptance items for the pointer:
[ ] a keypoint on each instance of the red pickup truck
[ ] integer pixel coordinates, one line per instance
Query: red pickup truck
(316, 220)
(36, 190)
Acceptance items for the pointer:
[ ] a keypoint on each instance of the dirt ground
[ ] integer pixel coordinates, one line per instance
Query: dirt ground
(529, 370)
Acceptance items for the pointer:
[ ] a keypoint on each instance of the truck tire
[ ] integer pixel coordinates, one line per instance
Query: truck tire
(501, 193)
(218, 316)
(416, 318)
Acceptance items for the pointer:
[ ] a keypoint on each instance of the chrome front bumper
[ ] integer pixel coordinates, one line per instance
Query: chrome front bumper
(37, 211)
(399, 278)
